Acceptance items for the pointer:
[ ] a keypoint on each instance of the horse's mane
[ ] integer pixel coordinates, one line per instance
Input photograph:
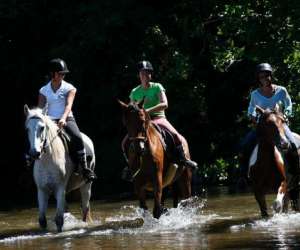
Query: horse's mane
(51, 127)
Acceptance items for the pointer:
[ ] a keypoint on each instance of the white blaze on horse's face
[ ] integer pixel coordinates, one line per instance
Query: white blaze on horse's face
(36, 132)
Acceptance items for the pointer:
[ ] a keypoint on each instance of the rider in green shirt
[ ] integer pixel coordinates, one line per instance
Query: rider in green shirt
(155, 102)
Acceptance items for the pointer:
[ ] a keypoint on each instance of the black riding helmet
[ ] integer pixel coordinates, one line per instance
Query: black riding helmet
(144, 65)
(58, 65)
(264, 67)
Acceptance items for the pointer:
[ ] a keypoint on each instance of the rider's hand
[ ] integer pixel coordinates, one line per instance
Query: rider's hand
(61, 123)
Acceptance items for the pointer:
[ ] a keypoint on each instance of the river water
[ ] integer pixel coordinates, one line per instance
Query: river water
(214, 221)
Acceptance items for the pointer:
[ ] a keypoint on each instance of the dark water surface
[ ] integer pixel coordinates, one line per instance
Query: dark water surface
(218, 221)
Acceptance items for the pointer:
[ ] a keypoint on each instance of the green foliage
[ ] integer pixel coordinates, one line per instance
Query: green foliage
(203, 52)
(215, 173)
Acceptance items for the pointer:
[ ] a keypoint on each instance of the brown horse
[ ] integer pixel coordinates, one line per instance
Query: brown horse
(268, 168)
(149, 162)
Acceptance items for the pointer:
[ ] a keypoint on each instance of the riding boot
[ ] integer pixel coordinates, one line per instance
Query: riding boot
(87, 173)
(181, 158)
(126, 174)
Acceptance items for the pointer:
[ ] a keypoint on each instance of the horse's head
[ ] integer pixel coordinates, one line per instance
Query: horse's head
(270, 127)
(35, 126)
(136, 120)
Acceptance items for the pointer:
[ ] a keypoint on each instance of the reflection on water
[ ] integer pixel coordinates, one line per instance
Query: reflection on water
(223, 221)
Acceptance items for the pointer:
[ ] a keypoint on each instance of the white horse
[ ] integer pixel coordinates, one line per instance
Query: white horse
(53, 167)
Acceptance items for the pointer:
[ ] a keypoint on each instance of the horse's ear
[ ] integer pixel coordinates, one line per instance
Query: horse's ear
(259, 109)
(123, 104)
(26, 109)
(141, 103)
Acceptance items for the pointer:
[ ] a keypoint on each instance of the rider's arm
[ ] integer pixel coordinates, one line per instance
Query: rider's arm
(69, 103)
(42, 101)
(287, 103)
(162, 105)
(251, 110)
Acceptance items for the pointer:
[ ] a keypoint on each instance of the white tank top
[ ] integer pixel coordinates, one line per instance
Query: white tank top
(56, 101)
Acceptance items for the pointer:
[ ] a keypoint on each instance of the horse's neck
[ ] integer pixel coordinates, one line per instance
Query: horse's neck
(265, 152)
(152, 132)
(154, 138)
(55, 148)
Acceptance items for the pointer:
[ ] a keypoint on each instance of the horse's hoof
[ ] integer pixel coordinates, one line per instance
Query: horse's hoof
(43, 222)
(59, 221)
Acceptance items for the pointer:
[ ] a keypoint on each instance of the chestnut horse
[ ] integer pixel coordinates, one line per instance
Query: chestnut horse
(147, 159)
(268, 168)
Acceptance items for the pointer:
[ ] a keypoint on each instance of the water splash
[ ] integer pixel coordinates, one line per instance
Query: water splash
(189, 213)
(287, 222)
(283, 222)
(70, 222)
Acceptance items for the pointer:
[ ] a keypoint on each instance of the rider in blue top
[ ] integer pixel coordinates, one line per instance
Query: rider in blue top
(267, 95)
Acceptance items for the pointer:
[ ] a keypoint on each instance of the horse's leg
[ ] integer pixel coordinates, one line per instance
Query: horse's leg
(175, 193)
(186, 183)
(158, 209)
(43, 205)
(294, 197)
(141, 194)
(85, 191)
(285, 205)
(60, 207)
(261, 200)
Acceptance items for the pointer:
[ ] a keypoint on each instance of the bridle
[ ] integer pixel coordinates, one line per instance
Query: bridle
(142, 140)
(45, 142)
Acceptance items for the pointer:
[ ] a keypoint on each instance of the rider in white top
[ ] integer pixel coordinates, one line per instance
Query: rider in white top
(56, 100)
(58, 96)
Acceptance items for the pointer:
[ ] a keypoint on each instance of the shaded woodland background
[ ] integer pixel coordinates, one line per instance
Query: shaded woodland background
(203, 52)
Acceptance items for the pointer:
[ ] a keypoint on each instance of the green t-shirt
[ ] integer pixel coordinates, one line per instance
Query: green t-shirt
(151, 95)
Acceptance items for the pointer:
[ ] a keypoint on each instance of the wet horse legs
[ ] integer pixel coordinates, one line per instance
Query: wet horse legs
(158, 209)
(43, 204)
(141, 194)
(60, 207)
(261, 200)
(85, 191)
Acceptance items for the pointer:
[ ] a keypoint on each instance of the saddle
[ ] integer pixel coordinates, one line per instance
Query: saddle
(70, 146)
(167, 139)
